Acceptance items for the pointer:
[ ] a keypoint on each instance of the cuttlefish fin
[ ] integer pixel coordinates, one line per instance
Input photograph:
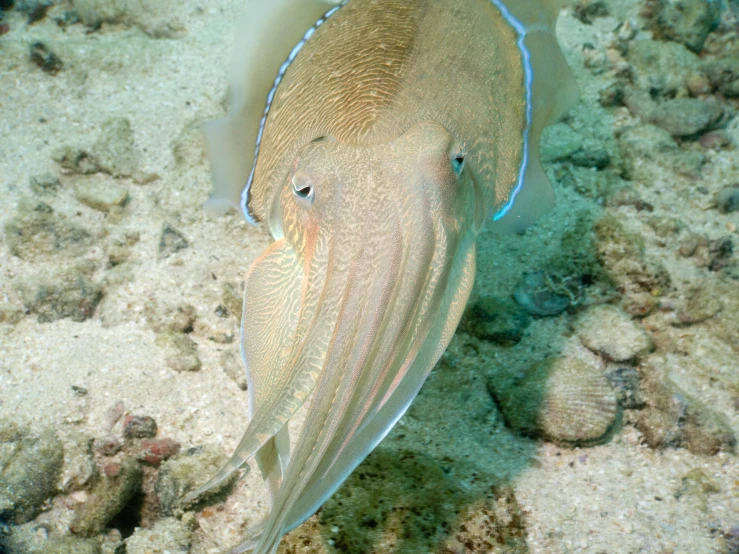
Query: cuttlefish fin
(552, 91)
(269, 323)
(269, 31)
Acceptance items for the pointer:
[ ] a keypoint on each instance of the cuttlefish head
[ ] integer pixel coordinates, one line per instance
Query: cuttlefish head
(370, 244)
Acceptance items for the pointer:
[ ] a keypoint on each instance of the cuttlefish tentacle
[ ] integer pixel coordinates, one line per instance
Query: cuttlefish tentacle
(283, 388)
(323, 475)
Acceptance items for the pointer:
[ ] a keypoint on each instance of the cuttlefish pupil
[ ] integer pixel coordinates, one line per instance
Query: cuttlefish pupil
(393, 131)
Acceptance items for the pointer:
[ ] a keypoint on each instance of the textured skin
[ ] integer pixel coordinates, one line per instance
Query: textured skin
(378, 67)
(395, 133)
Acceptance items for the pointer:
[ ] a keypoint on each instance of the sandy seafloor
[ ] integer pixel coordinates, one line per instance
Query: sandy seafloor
(622, 496)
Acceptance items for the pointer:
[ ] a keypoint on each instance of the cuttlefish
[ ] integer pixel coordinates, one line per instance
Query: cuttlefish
(373, 139)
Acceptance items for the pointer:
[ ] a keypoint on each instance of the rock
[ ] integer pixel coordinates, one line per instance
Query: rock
(495, 521)
(177, 319)
(108, 446)
(622, 255)
(560, 142)
(540, 295)
(672, 418)
(696, 487)
(139, 427)
(45, 184)
(562, 400)
(234, 368)
(661, 68)
(156, 18)
(625, 381)
(114, 150)
(30, 465)
(70, 294)
(119, 485)
(43, 57)
(10, 314)
(723, 74)
(171, 241)
(727, 200)
(231, 296)
(79, 467)
(607, 330)
(75, 160)
(647, 150)
(99, 194)
(688, 21)
(185, 472)
(166, 535)
(701, 304)
(37, 231)
(587, 10)
(35, 10)
(499, 320)
(683, 117)
(155, 451)
(181, 351)
(33, 538)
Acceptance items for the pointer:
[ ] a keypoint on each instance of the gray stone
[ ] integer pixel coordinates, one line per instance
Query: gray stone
(673, 418)
(559, 142)
(539, 295)
(661, 67)
(166, 535)
(37, 231)
(79, 467)
(647, 150)
(114, 150)
(727, 200)
(498, 320)
(32, 538)
(171, 241)
(30, 464)
(119, 485)
(70, 294)
(610, 332)
(100, 194)
(180, 351)
(688, 21)
(44, 184)
(185, 472)
(724, 75)
(684, 117)
(234, 368)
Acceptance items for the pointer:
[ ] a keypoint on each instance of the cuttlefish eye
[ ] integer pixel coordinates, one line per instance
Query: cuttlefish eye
(303, 189)
(457, 156)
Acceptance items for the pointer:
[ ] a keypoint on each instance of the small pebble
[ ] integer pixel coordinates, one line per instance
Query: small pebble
(171, 241)
(607, 330)
(100, 194)
(45, 58)
(625, 381)
(79, 391)
(536, 294)
(234, 368)
(155, 451)
(139, 427)
(498, 320)
(108, 446)
(45, 184)
(727, 200)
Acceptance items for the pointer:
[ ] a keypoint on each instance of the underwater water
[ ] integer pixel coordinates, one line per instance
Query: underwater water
(588, 402)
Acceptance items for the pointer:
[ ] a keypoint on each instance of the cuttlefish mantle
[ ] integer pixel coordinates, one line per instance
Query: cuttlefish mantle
(373, 138)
